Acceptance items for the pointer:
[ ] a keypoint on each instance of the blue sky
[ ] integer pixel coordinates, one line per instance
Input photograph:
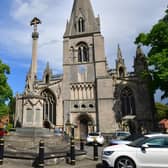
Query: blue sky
(121, 22)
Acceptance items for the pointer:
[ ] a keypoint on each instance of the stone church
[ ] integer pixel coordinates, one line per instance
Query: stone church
(88, 94)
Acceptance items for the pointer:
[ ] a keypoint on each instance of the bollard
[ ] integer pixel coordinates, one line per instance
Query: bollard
(95, 151)
(67, 158)
(72, 152)
(72, 131)
(1, 150)
(82, 144)
(41, 154)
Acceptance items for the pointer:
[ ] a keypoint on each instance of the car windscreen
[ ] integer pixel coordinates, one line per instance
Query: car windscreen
(94, 134)
(138, 142)
(132, 137)
(122, 134)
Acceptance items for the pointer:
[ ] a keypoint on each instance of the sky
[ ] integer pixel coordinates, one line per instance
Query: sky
(121, 22)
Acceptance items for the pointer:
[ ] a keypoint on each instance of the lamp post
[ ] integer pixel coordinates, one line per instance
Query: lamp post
(95, 82)
(68, 125)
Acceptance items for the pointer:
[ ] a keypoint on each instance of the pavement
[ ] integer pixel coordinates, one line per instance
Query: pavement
(83, 163)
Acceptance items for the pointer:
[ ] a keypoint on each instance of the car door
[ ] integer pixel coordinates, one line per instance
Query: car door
(154, 154)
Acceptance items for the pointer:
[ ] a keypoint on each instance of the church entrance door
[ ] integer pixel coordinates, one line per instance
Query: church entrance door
(83, 128)
(83, 121)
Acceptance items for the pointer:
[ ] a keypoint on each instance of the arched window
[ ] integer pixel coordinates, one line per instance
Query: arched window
(29, 117)
(83, 53)
(127, 102)
(81, 25)
(121, 72)
(47, 78)
(49, 107)
(80, 54)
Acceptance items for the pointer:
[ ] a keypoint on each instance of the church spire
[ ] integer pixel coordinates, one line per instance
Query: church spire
(140, 63)
(47, 73)
(119, 54)
(82, 19)
(120, 65)
(139, 52)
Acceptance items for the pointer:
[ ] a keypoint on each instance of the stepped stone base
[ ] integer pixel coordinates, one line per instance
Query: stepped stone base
(35, 132)
(27, 139)
(24, 144)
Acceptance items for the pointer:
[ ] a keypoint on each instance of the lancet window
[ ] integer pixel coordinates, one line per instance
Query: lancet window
(49, 106)
(83, 53)
(121, 72)
(81, 25)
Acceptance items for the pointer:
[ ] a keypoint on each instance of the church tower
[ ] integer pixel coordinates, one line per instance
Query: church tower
(83, 63)
(87, 95)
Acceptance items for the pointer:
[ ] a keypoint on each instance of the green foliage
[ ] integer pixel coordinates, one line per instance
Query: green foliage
(157, 41)
(9, 126)
(11, 106)
(3, 109)
(162, 111)
(5, 90)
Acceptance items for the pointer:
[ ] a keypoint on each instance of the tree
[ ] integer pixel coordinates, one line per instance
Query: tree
(157, 41)
(162, 111)
(11, 110)
(5, 90)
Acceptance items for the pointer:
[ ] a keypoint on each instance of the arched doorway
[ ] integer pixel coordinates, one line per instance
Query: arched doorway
(83, 128)
(85, 125)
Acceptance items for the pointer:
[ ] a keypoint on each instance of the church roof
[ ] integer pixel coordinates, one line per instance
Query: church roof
(82, 9)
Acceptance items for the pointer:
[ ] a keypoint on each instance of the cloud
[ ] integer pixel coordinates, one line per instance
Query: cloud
(49, 43)
(121, 22)
(51, 30)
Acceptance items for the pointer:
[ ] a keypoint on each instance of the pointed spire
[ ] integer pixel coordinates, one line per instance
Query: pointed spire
(82, 19)
(139, 52)
(47, 66)
(120, 65)
(47, 69)
(140, 63)
(119, 54)
(47, 73)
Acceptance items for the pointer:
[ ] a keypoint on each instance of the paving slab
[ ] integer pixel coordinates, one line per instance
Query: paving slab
(84, 163)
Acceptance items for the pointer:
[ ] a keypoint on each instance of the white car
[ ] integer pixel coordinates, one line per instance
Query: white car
(95, 136)
(120, 134)
(149, 151)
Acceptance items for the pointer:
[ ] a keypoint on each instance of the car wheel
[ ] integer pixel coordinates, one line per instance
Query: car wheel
(124, 162)
(105, 165)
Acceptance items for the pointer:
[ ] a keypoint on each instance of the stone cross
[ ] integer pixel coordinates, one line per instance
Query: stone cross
(35, 21)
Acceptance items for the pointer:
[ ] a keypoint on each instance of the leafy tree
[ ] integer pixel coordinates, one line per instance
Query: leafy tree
(11, 111)
(157, 41)
(5, 90)
(162, 111)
